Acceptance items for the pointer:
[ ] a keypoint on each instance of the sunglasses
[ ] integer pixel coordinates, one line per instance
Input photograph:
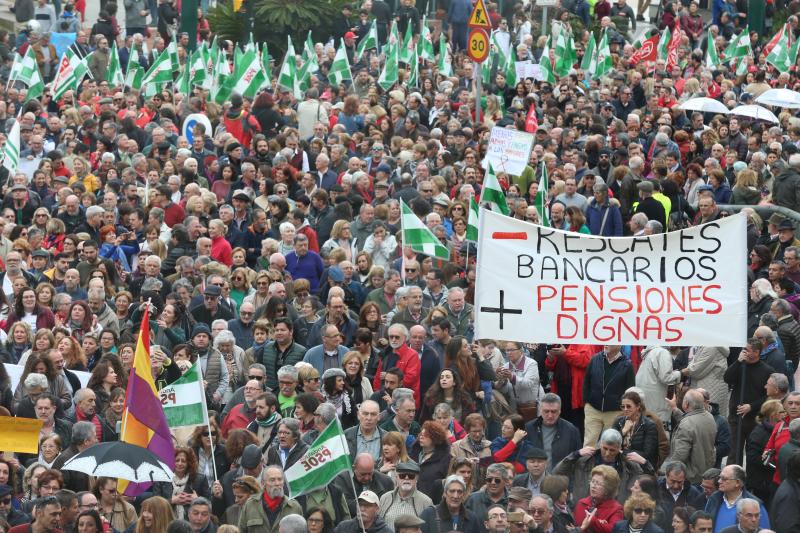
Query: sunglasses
(406, 475)
(493, 480)
(640, 510)
(257, 378)
(205, 434)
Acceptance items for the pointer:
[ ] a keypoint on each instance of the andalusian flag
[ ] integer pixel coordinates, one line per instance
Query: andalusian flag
(71, 71)
(114, 75)
(492, 193)
(185, 400)
(287, 78)
(604, 61)
(340, 68)
(541, 198)
(310, 64)
(389, 74)
(511, 69)
(11, 150)
(783, 56)
(418, 236)
(143, 421)
(472, 221)
(160, 71)
(425, 42)
(322, 462)
(223, 80)
(406, 47)
(173, 56)
(369, 42)
(547, 65)
(663, 44)
(739, 46)
(135, 72)
(249, 76)
(26, 70)
(565, 52)
(712, 58)
(197, 66)
(445, 63)
(589, 63)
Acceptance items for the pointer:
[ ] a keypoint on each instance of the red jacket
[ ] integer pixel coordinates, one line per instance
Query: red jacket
(609, 512)
(779, 437)
(577, 357)
(242, 126)
(221, 251)
(408, 361)
(173, 214)
(236, 419)
(313, 241)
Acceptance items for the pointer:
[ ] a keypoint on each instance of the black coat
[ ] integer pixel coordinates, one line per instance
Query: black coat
(644, 440)
(274, 458)
(622, 527)
(433, 470)
(437, 520)
(269, 119)
(198, 483)
(785, 513)
(566, 440)
(759, 477)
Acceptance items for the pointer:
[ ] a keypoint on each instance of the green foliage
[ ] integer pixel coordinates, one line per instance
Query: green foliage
(275, 19)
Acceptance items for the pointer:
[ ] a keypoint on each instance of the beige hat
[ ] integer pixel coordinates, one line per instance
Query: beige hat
(369, 497)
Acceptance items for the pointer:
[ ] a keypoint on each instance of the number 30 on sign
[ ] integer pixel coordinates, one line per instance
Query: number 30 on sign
(478, 45)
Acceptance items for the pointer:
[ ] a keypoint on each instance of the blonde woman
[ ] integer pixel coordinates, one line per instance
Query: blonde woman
(82, 174)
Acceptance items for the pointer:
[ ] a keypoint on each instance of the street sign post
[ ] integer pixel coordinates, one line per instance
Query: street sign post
(479, 18)
(478, 51)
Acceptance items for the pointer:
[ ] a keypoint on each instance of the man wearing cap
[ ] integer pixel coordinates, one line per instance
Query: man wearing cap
(368, 505)
(250, 464)
(536, 464)
(652, 208)
(405, 498)
(215, 371)
(407, 523)
(22, 206)
(264, 511)
(40, 260)
(451, 514)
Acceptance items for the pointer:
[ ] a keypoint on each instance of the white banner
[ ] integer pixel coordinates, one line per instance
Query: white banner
(540, 285)
(508, 151)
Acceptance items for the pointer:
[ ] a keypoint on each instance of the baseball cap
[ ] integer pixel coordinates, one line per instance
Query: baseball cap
(369, 497)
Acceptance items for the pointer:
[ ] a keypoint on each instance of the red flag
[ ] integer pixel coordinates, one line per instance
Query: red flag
(674, 43)
(648, 50)
(531, 122)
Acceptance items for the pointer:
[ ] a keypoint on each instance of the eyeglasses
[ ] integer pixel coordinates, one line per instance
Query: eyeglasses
(407, 475)
(538, 511)
(257, 378)
(641, 510)
(205, 434)
(411, 270)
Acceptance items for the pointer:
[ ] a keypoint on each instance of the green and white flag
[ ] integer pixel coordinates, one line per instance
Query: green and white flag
(135, 72)
(26, 70)
(413, 71)
(547, 65)
(472, 221)
(493, 194)
(340, 68)
(370, 41)
(114, 75)
(425, 43)
(160, 71)
(287, 77)
(310, 64)
(445, 63)
(223, 80)
(662, 50)
(265, 67)
(184, 400)
(541, 199)
(249, 76)
(783, 56)
(71, 71)
(589, 63)
(511, 69)
(712, 58)
(388, 76)
(418, 236)
(173, 56)
(322, 462)
(209, 59)
(11, 150)
(604, 62)
(406, 47)
(565, 53)
(739, 46)
(197, 67)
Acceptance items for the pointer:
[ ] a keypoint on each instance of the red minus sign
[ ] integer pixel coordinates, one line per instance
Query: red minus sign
(510, 235)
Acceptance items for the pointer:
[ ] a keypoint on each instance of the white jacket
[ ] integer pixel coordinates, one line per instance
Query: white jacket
(654, 376)
(526, 388)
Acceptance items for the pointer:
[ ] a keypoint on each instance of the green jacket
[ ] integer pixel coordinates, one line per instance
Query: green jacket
(269, 359)
(253, 519)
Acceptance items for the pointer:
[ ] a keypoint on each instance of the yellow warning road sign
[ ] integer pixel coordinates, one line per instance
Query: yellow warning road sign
(479, 18)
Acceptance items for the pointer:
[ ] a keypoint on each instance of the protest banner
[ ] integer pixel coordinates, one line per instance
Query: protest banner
(323, 461)
(508, 151)
(184, 400)
(20, 435)
(541, 285)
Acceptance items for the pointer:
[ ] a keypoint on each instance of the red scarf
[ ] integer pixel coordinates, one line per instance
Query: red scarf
(98, 429)
(272, 503)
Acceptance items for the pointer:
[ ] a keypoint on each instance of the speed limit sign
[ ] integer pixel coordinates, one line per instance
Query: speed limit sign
(478, 45)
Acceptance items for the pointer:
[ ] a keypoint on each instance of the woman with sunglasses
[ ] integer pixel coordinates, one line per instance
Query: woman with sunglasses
(638, 511)
(240, 285)
(200, 443)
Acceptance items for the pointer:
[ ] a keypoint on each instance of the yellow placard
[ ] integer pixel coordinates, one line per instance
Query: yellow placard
(20, 435)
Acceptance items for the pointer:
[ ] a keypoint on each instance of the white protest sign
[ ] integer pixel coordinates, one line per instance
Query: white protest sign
(508, 150)
(15, 374)
(541, 285)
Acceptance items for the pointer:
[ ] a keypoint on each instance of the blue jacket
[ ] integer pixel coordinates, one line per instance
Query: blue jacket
(715, 501)
(308, 267)
(316, 356)
(594, 219)
(605, 393)
(459, 12)
(327, 180)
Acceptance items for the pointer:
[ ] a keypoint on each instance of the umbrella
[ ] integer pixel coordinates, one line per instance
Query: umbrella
(755, 111)
(120, 460)
(780, 98)
(704, 105)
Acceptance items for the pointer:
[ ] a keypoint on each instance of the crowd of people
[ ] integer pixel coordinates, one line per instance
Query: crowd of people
(269, 251)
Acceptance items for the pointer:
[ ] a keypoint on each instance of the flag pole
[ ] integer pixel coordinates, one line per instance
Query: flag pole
(208, 419)
(350, 472)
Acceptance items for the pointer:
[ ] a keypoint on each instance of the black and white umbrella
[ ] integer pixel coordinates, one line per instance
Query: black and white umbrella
(120, 460)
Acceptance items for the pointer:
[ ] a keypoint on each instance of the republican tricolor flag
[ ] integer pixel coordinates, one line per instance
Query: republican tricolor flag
(143, 421)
